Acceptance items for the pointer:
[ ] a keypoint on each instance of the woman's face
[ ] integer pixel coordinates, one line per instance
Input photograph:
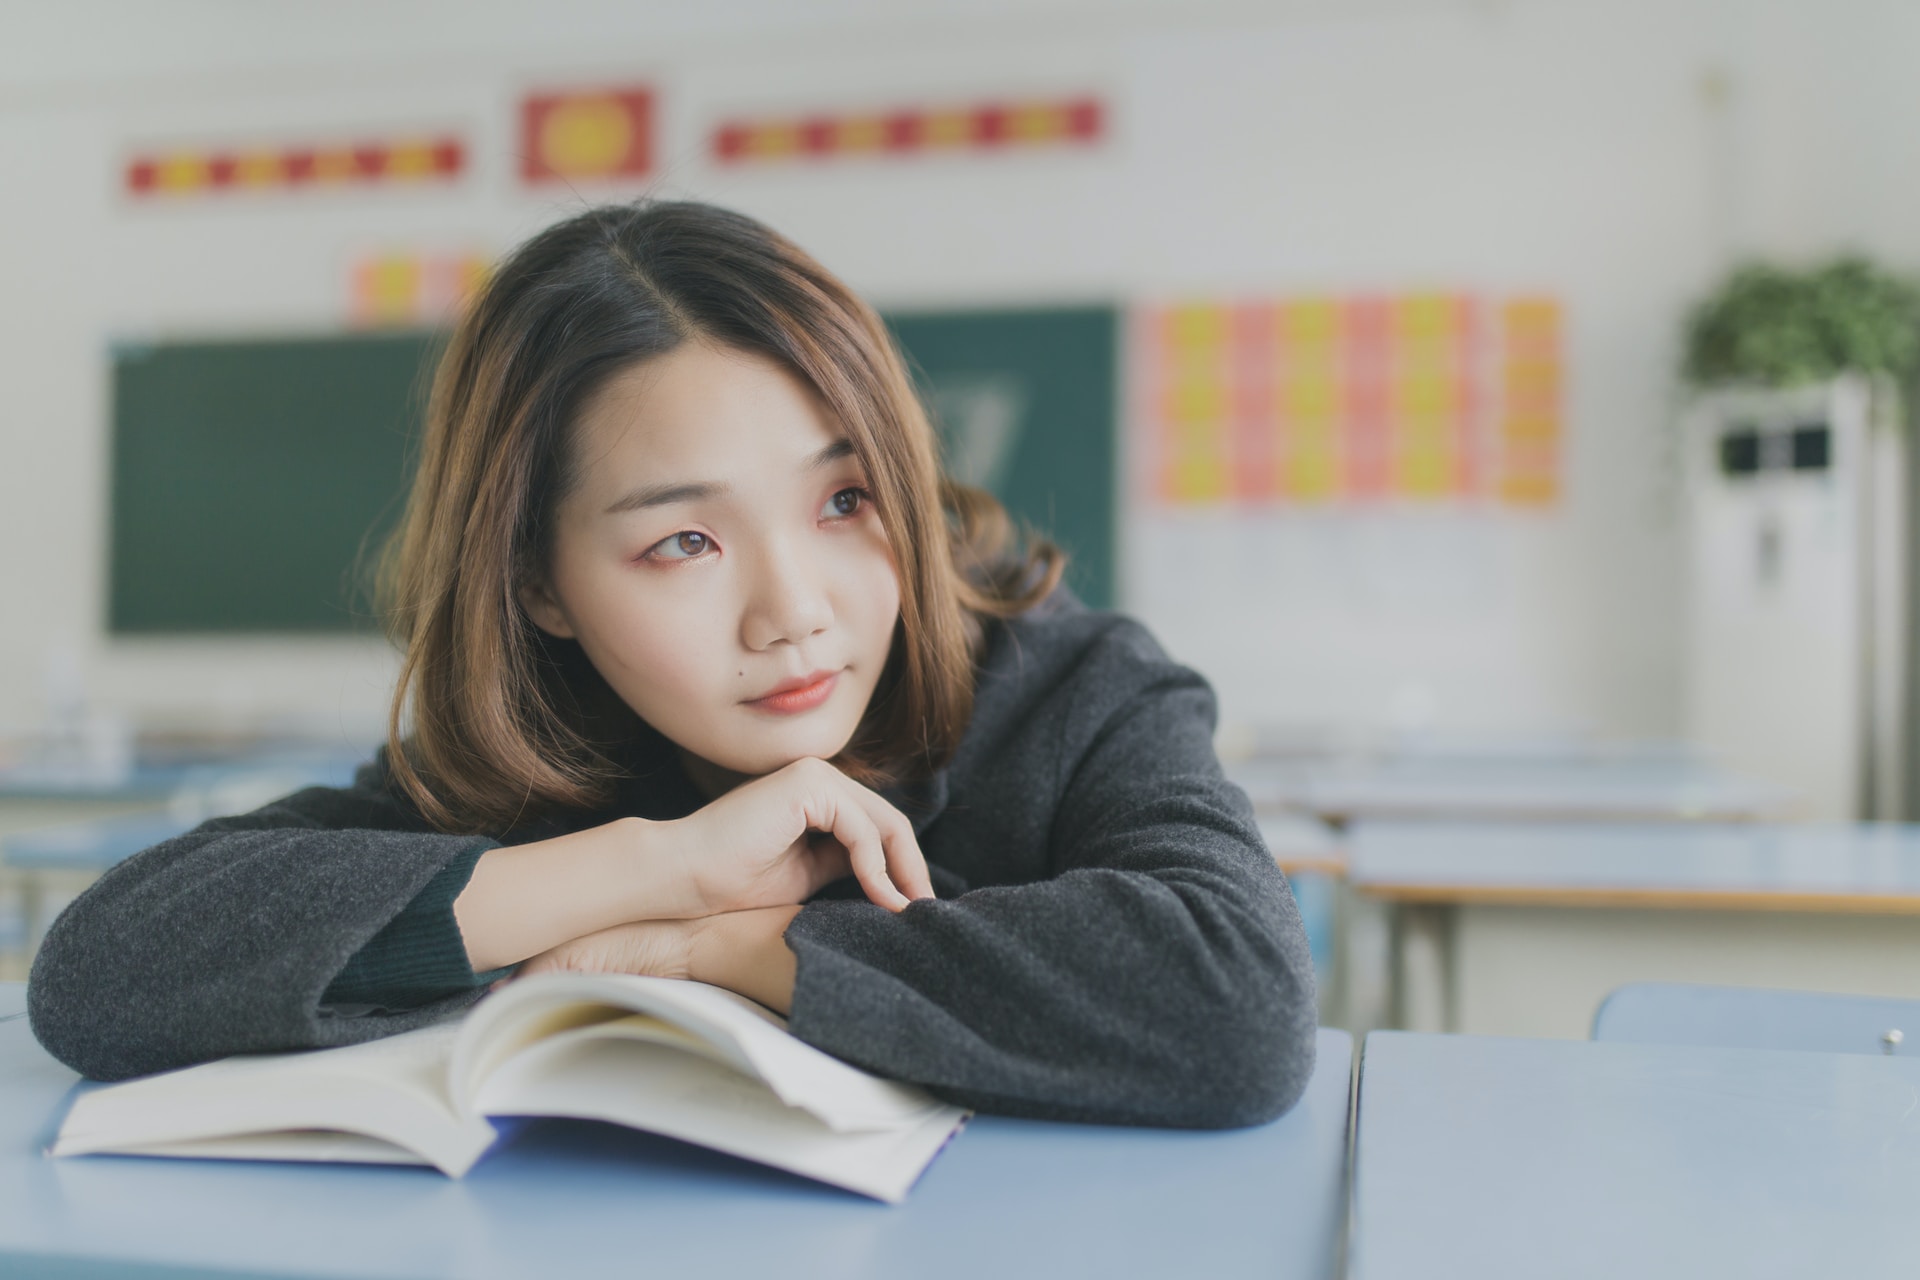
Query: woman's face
(721, 563)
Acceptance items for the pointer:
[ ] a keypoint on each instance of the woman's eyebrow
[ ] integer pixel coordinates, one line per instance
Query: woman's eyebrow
(841, 448)
(668, 492)
(660, 495)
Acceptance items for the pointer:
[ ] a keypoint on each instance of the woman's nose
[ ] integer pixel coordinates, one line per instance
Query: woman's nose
(789, 602)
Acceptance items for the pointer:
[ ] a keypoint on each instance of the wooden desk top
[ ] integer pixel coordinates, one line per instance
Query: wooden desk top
(1863, 867)
(1300, 843)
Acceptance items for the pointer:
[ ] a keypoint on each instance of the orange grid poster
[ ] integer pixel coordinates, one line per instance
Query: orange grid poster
(1369, 397)
(586, 135)
(188, 171)
(1530, 384)
(979, 127)
(406, 289)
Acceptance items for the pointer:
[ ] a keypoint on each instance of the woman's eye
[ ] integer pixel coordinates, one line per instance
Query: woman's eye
(845, 503)
(686, 545)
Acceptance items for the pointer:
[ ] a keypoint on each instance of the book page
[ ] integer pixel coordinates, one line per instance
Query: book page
(392, 1090)
(323, 1146)
(642, 1083)
(733, 1030)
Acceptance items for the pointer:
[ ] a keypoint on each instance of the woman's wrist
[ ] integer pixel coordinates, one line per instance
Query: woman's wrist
(747, 952)
(525, 899)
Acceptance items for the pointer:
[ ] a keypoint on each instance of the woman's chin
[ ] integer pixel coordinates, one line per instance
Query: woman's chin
(771, 757)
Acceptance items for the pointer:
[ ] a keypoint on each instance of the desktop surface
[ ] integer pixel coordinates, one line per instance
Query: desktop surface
(1494, 1158)
(1545, 790)
(1833, 866)
(1007, 1197)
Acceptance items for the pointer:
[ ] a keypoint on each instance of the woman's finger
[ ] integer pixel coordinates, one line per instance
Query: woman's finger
(854, 828)
(906, 865)
(826, 860)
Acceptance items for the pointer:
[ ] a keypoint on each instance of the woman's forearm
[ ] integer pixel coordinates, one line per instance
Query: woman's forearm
(523, 900)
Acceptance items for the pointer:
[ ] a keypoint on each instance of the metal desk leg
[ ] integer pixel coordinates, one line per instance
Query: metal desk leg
(1336, 1003)
(1420, 945)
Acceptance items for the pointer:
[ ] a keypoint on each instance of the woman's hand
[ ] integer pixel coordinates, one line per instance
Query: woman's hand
(778, 840)
(772, 842)
(657, 948)
(743, 951)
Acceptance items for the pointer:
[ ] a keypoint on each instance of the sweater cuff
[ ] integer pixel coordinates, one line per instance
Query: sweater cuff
(418, 956)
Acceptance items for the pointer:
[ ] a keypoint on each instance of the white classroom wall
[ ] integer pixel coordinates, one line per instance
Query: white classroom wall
(1618, 155)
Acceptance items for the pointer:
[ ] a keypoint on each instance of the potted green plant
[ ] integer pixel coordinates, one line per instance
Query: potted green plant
(1775, 327)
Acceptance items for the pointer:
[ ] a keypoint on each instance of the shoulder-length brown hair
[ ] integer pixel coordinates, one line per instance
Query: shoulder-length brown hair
(507, 722)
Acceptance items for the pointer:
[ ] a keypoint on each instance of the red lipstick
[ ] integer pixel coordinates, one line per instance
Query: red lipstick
(803, 693)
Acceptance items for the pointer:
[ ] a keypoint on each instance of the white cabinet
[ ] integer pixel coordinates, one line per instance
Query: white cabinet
(1796, 595)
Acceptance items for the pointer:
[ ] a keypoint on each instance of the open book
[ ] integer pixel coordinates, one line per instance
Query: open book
(678, 1058)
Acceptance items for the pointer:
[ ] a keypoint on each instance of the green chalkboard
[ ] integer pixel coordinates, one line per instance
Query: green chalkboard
(248, 477)
(1025, 402)
(251, 479)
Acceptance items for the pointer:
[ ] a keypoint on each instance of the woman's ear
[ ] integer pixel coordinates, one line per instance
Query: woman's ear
(545, 611)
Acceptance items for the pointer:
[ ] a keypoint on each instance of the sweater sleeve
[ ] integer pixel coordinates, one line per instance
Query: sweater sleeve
(1158, 975)
(228, 939)
(419, 956)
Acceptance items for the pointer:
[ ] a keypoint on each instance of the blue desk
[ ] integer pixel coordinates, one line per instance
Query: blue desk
(192, 794)
(65, 856)
(1007, 1198)
(92, 846)
(1488, 1158)
(142, 781)
(161, 778)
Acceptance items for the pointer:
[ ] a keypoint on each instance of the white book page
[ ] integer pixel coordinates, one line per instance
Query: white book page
(735, 1030)
(319, 1146)
(392, 1090)
(642, 1083)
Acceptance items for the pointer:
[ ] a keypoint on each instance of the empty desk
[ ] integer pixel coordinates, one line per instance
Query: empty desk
(1493, 1158)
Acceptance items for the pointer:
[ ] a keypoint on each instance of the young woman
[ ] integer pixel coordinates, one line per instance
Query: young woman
(709, 675)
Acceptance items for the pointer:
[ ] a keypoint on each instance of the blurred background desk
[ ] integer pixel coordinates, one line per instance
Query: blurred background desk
(59, 833)
(1497, 1158)
(1309, 801)
(1522, 928)
(1509, 788)
(1313, 856)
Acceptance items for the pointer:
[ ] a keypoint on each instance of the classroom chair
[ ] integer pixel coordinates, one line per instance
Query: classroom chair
(1751, 1018)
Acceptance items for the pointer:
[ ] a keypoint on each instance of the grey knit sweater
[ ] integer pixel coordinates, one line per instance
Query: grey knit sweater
(1111, 941)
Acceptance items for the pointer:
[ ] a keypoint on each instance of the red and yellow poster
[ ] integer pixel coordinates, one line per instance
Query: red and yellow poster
(1530, 388)
(587, 135)
(1357, 398)
(986, 126)
(413, 289)
(199, 171)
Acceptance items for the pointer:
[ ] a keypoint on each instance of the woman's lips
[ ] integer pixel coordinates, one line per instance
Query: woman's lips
(796, 696)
